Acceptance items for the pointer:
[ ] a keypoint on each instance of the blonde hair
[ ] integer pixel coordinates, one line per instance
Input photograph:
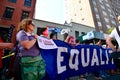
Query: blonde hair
(24, 24)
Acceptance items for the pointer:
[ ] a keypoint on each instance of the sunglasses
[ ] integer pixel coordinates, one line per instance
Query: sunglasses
(30, 22)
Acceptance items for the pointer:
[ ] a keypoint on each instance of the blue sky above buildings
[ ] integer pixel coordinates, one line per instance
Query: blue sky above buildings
(50, 10)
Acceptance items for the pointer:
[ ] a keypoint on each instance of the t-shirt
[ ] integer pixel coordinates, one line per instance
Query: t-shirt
(115, 36)
(33, 51)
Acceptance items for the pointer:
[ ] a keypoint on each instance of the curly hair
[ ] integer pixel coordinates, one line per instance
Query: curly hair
(24, 24)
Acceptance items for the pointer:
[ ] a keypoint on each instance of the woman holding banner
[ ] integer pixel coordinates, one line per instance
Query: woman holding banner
(29, 52)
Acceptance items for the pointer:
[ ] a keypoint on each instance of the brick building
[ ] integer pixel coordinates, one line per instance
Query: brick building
(13, 11)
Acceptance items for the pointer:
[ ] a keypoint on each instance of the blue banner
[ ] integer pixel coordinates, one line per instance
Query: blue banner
(67, 61)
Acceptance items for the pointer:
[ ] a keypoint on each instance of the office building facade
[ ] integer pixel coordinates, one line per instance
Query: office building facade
(101, 14)
(79, 11)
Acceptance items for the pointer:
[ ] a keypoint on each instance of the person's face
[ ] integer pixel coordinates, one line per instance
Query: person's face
(31, 27)
(45, 33)
(54, 37)
(71, 41)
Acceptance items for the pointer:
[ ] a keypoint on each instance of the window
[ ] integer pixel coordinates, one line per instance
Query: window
(102, 7)
(106, 19)
(107, 5)
(99, 24)
(76, 34)
(8, 12)
(109, 10)
(96, 10)
(106, 0)
(27, 2)
(94, 3)
(74, 14)
(113, 22)
(65, 36)
(104, 13)
(108, 26)
(101, 1)
(97, 16)
(111, 16)
(25, 14)
(14, 1)
(79, 1)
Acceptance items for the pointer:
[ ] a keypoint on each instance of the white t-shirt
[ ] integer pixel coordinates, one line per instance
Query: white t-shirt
(115, 36)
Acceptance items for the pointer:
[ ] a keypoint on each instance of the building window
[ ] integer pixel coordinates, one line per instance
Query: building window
(111, 16)
(94, 3)
(25, 14)
(108, 26)
(102, 7)
(113, 22)
(109, 10)
(65, 36)
(97, 16)
(99, 24)
(83, 19)
(96, 10)
(104, 13)
(27, 2)
(106, 20)
(107, 5)
(106, 0)
(14, 1)
(8, 12)
(101, 1)
(76, 34)
(74, 14)
(79, 1)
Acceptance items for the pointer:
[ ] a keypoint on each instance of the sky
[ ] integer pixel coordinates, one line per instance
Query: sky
(50, 10)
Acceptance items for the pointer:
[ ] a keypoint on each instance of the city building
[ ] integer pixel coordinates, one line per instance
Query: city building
(76, 29)
(79, 11)
(13, 11)
(101, 14)
(115, 6)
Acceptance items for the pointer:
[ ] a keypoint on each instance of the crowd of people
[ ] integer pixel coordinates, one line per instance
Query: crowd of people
(28, 67)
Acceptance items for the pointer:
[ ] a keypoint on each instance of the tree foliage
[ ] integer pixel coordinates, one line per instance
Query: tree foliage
(110, 30)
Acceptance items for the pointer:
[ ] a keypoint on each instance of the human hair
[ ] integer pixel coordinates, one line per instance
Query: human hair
(68, 38)
(24, 24)
(77, 41)
(42, 30)
(51, 35)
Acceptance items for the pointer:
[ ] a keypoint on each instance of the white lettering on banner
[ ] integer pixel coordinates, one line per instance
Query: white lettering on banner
(110, 51)
(72, 53)
(106, 57)
(102, 62)
(75, 55)
(94, 58)
(60, 59)
(85, 64)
